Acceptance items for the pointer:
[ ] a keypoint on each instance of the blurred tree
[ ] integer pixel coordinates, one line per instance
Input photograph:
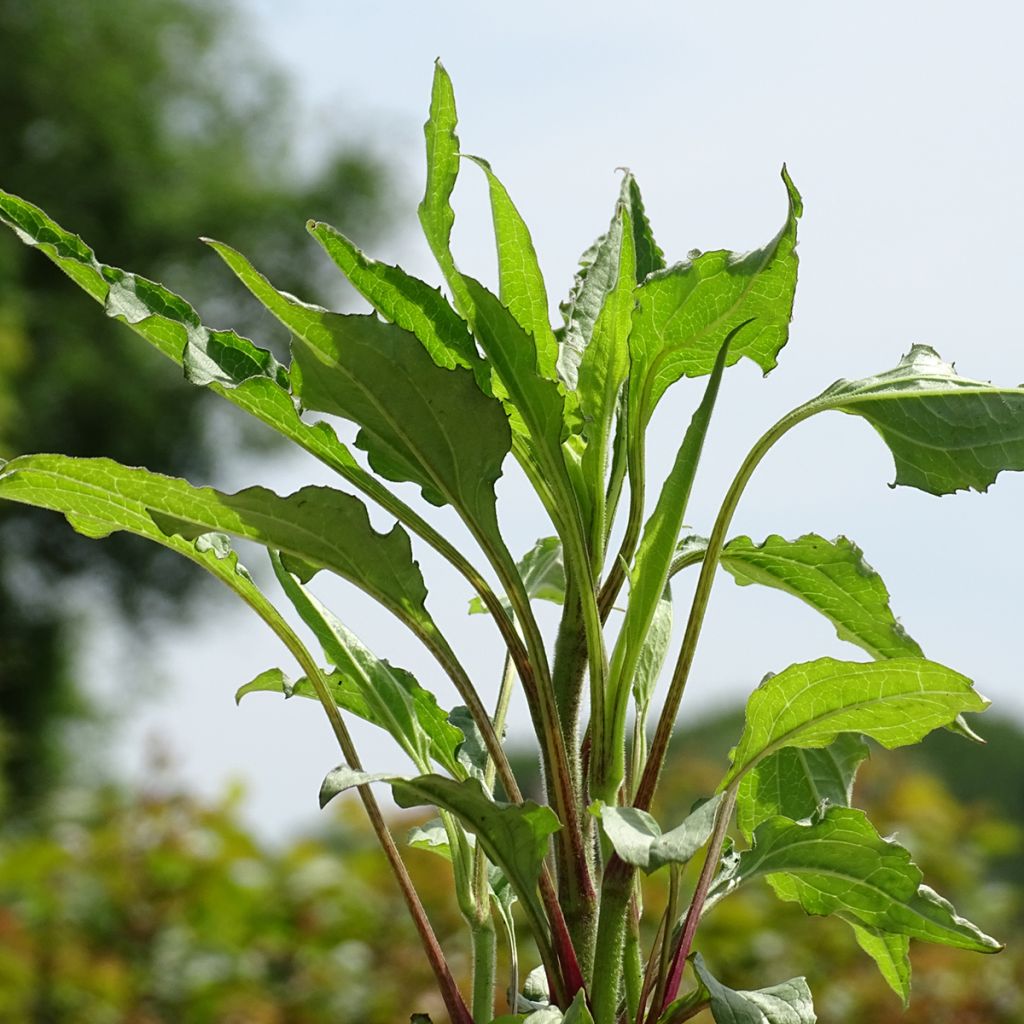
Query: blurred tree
(139, 124)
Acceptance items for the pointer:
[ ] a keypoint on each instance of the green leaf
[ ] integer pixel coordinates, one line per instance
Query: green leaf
(794, 782)
(787, 1003)
(895, 702)
(686, 311)
(472, 752)
(542, 570)
(890, 952)
(420, 422)
(946, 432)
(638, 839)
(833, 578)
(836, 863)
(514, 836)
(435, 211)
(520, 282)
(578, 1012)
(318, 527)
(653, 652)
(403, 300)
(396, 701)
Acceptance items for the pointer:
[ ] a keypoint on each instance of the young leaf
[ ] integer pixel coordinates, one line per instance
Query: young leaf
(578, 1012)
(403, 300)
(514, 836)
(833, 578)
(946, 432)
(890, 952)
(837, 863)
(685, 312)
(637, 838)
(542, 570)
(793, 782)
(895, 702)
(520, 282)
(397, 702)
(787, 1003)
(419, 421)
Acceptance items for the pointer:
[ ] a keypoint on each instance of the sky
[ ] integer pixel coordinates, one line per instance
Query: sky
(900, 124)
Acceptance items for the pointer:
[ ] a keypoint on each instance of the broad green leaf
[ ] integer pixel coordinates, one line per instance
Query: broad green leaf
(420, 422)
(685, 312)
(808, 705)
(836, 863)
(514, 836)
(793, 782)
(833, 578)
(403, 300)
(946, 432)
(520, 282)
(787, 1003)
(890, 952)
(318, 527)
(542, 570)
(637, 838)
(397, 702)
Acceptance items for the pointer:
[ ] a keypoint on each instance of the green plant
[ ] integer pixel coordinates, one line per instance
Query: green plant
(442, 393)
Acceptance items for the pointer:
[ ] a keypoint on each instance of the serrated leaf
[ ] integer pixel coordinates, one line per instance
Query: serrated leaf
(402, 299)
(946, 432)
(685, 312)
(319, 528)
(521, 286)
(787, 1003)
(542, 570)
(890, 952)
(638, 839)
(420, 422)
(808, 705)
(833, 578)
(472, 751)
(396, 701)
(513, 836)
(794, 782)
(837, 863)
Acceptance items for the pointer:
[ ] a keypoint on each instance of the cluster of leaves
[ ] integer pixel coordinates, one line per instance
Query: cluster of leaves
(442, 394)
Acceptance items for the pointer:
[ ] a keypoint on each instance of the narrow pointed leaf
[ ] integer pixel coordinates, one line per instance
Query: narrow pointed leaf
(653, 652)
(808, 705)
(686, 311)
(637, 838)
(794, 782)
(890, 952)
(420, 422)
(514, 836)
(542, 570)
(833, 578)
(837, 863)
(318, 527)
(435, 211)
(397, 702)
(403, 300)
(946, 432)
(578, 1012)
(787, 1003)
(520, 282)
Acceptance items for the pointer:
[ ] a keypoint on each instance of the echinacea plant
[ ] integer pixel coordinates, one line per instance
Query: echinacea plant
(444, 388)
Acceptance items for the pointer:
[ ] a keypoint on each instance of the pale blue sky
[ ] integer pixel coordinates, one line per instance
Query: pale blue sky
(900, 124)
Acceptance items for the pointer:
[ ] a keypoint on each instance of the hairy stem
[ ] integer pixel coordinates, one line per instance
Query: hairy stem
(484, 950)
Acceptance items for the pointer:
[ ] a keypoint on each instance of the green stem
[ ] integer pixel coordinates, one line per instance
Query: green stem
(611, 928)
(698, 609)
(633, 964)
(665, 957)
(484, 952)
(634, 522)
(700, 894)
